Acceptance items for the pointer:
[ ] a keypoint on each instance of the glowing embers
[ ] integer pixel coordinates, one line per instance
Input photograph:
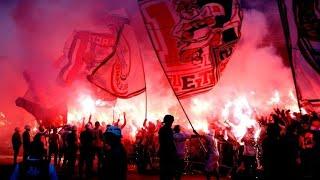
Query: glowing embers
(239, 111)
(238, 114)
(3, 119)
(275, 99)
(87, 104)
(84, 107)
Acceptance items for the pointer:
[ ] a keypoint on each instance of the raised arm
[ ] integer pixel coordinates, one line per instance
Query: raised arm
(124, 120)
(145, 123)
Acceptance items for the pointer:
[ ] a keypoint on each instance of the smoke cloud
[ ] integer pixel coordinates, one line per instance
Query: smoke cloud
(33, 34)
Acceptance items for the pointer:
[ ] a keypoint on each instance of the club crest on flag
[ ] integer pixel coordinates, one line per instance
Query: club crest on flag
(121, 67)
(121, 73)
(193, 40)
(85, 52)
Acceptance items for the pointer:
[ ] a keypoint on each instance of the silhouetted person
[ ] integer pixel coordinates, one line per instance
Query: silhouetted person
(35, 166)
(249, 152)
(37, 146)
(97, 145)
(115, 161)
(42, 132)
(26, 140)
(212, 156)
(271, 148)
(16, 144)
(290, 151)
(116, 123)
(315, 127)
(139, 149)
(86, 151)
(307, 153)
(63, 144)
(180, 141)
(71, 151)
(54, 145)
(149, 143)
(167, 150)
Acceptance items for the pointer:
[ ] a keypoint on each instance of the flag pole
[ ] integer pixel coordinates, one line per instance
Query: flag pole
(112, 114)
(145, 92)
(286, 32)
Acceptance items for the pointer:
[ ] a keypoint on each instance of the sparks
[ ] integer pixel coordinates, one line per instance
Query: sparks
(275, 99)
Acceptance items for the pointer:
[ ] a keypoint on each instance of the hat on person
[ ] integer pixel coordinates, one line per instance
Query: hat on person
(168, 119)
(114, 130)
(27, 127)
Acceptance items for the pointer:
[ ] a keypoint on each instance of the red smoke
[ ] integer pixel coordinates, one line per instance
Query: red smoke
(34, 33)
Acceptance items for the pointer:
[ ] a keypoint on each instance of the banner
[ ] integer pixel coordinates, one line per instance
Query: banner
(48, 117)
(84, 52)
(44, 103)
(121, 73)
(301, 23)
(194, 40)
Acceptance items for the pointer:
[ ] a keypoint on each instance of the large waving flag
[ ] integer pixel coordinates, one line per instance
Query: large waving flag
(86, 49)
(301, 23)
(121, 73)
(194, 40)
(83, 52)
(48, 117)
(43, 103)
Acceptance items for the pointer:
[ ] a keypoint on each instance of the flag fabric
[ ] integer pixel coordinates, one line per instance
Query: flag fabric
(48, 117)
(301, 23)
(121, 73)
(194, 40)
(32, 93)
(83, 52)
(86, 49)
(43, 103)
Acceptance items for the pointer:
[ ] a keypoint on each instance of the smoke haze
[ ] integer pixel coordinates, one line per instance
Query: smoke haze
(33, 34)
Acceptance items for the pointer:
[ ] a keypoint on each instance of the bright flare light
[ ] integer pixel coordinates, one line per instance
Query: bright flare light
(275, 99)
(3, 119)
(199, 106)
(238, 114)
(200, 126)
(88, 104)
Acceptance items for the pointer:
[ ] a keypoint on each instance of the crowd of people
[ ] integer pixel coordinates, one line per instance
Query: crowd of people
(288, 147)
(68, 146)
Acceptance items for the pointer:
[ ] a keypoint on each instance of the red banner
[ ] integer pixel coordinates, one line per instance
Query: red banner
(49, 117)
(193, 40)
(85, 52)
(122, 73)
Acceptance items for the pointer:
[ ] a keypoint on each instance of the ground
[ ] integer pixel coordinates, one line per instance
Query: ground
(6, 169)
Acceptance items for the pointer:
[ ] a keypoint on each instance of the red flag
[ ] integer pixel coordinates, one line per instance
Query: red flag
(85, 52)
(193, 40)
(122, 73)
(43, 103)
(48, 117)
